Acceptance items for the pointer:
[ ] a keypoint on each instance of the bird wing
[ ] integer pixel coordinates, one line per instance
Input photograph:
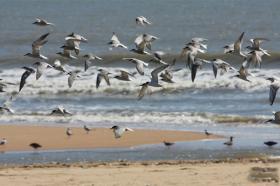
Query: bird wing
(272, 93)
(115, 39)
(156, 71)
(40, 40)
(71, 79)
(238, 42)
(87, 64)
(24, 76)
(106, 77)
(142, 91)
(140, 68)
(215, 69)
(194, 68)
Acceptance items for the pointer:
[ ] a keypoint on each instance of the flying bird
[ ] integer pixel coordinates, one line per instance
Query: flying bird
(154, 81)
(42, 22)
(119, 131)
(40, 68)
(73, 75)
(140, 65)
(89, 58)
(115, 42)
(270, 143)
(103, 74)
(36, 47)
(28, 71)
(141, 20)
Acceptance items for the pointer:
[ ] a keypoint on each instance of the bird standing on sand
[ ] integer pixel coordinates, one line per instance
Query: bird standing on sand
(3, 141)
(207, 133)
(87, 129)
(35, 145)
(118, 131)
(168, 144)
(230, 142)
(69, 132)
(270, 143)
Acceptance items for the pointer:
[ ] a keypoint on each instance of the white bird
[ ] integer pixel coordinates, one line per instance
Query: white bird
(157, 57)
(139, 64)
(3, 141)
(144, 41)
(276, 119)
(256, 45)
(66, 54)
(42, 22)
(115, 42)
(77, 37)
(103, 74)
(196, 64)
(118, 131)
(6, 106)
(40, 68)
(58, 66)
(154, 81)
(243, 73)
(36, 47)
(141, 20)
(73, 75)
(60, 111)
(28, 71)
(274, 86)
(218, 64)
(236, 47)
(89, 58)
(124, 76)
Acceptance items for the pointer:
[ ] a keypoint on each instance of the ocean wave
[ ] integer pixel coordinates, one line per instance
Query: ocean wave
(55, 83)
(131, 117)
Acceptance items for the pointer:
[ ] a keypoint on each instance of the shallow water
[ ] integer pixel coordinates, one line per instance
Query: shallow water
(225, 105)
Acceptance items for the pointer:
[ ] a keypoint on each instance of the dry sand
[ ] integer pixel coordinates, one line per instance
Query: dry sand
(53, 138)
(137, 174)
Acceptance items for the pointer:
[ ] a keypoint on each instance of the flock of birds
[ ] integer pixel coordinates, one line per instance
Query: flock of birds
(143, 46)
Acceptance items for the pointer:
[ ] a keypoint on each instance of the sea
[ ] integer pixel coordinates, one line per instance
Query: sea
(224, 105)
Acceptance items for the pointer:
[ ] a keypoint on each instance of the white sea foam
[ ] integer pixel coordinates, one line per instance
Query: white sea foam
(53, 83)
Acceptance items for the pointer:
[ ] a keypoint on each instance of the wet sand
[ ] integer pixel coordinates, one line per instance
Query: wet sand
(153, 173)
(55, 138)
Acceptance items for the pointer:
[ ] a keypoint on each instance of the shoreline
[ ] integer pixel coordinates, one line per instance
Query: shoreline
(242, 171)
(55, 138)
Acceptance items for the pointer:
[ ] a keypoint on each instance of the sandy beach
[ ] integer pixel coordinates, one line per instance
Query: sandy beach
(208, 173)
(54, 138)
